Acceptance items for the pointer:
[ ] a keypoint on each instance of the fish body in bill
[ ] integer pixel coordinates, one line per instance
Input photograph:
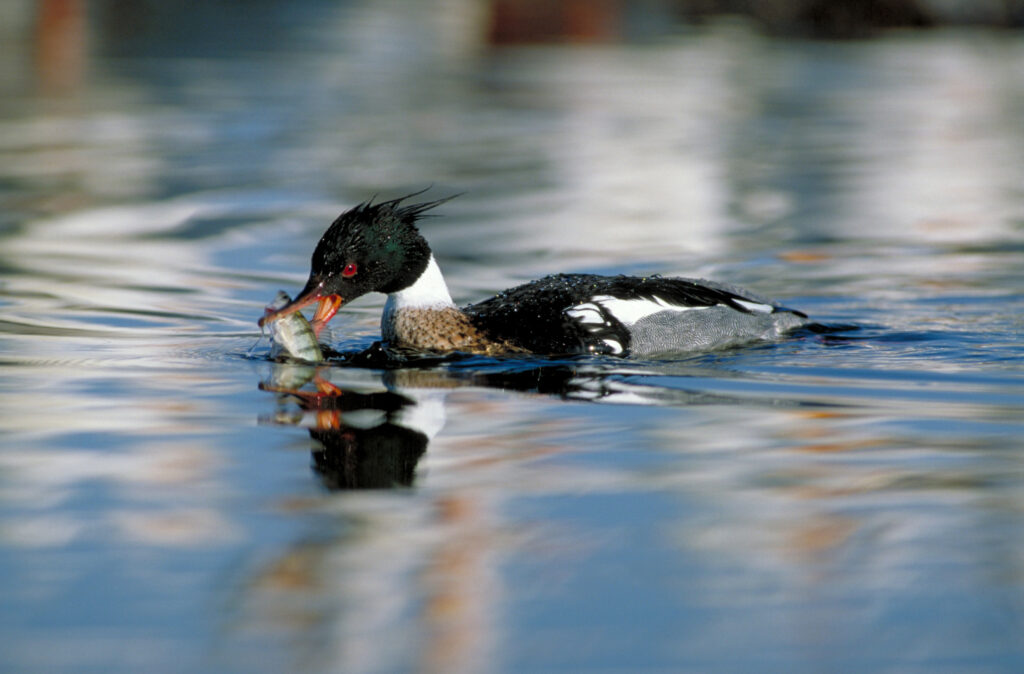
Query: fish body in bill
(292, 334)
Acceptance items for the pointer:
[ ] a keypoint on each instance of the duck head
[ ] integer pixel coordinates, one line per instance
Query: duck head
(370, 248)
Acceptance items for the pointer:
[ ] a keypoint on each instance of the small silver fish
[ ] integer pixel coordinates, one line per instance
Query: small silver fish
(292, 333)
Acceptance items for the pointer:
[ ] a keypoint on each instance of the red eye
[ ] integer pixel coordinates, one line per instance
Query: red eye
(350, 270)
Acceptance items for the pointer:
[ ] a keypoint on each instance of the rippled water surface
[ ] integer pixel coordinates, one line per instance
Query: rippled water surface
(172, 500)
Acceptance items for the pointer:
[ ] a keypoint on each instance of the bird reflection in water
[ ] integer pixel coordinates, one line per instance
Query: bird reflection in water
(372, 414)
(370, 429)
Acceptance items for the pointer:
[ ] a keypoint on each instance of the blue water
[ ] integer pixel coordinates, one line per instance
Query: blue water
(842, 501)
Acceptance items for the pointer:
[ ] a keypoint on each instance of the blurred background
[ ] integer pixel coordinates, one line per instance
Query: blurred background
(173, 500)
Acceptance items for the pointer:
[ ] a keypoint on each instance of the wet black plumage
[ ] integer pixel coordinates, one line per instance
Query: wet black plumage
(533, 315)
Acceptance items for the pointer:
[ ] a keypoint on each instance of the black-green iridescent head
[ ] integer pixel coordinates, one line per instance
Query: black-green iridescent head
(370, 248)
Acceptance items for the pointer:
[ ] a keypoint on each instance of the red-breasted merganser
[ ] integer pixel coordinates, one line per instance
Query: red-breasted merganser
(377, 248)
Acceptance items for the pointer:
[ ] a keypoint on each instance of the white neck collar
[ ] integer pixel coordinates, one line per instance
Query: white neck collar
(428, 292)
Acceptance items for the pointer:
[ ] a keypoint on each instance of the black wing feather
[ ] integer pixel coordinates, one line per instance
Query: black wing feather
(533, 316)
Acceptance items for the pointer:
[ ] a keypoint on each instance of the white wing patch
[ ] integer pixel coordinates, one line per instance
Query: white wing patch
(614, 344)
(629, 312)
(592, 317)
(588, 314)
(756, 307)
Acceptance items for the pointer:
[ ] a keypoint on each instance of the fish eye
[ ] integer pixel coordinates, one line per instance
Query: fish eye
(350, 270)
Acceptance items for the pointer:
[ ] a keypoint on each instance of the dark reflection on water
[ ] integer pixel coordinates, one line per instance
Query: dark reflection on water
(374, 439)
(842, 501)
(362, 438)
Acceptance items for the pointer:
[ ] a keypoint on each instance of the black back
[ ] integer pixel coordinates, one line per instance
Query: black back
(533, 316)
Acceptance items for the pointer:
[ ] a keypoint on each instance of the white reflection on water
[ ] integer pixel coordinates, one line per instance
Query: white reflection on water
(841, 501)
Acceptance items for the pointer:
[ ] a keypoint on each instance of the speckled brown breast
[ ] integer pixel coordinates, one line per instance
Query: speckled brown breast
(445, 329)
